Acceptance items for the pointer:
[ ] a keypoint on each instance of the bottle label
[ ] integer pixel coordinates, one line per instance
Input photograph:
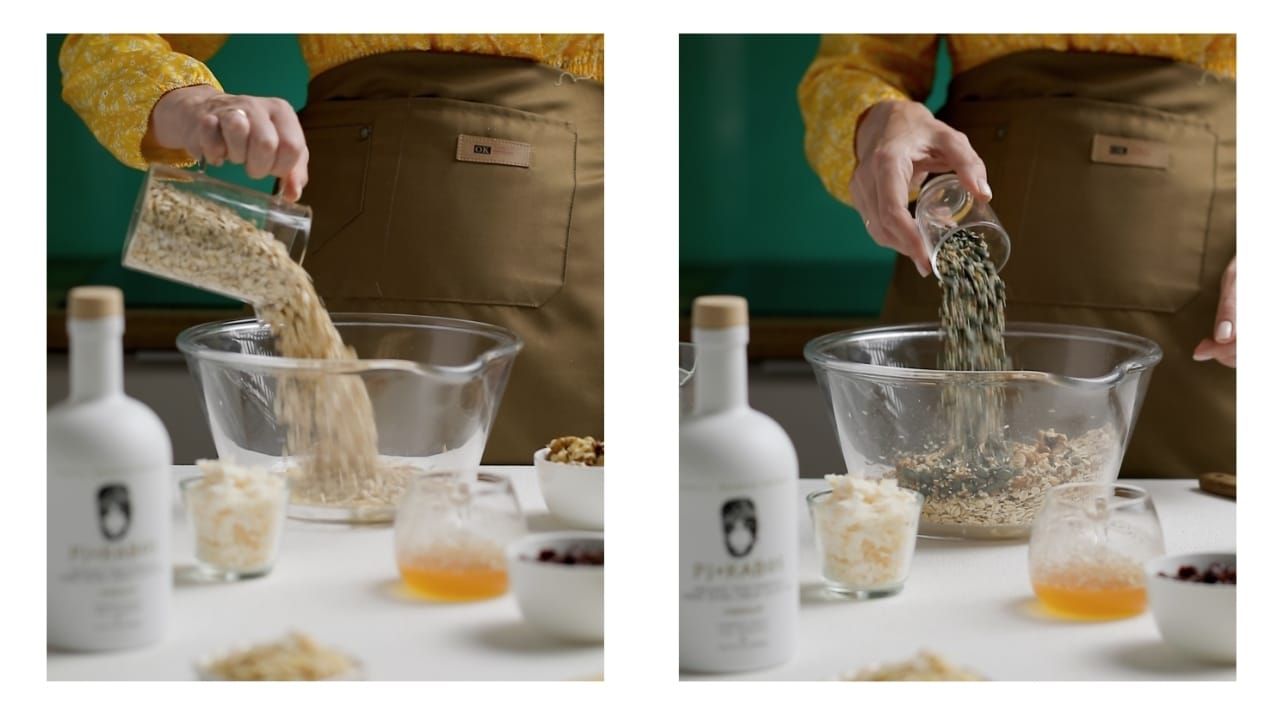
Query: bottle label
(109, 568)
(739, 594)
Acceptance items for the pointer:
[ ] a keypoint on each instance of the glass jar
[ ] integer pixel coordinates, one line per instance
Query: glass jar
(237, 521)
(1088, 547)
(865, 543)
(944, 206)
(200, 231)
(451, 533)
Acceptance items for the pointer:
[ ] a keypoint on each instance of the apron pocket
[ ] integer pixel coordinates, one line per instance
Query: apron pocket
(338, 170)
(482, 202)
(1092, 226)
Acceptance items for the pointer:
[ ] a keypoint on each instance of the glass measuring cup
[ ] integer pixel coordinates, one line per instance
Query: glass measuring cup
(217, 236)
(945, 206)
(1088, 546)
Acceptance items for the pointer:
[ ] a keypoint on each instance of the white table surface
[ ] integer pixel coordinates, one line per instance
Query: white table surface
(972, 603)
(340, 585)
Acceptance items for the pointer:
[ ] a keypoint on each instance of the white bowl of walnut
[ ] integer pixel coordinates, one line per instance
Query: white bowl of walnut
(571, 477)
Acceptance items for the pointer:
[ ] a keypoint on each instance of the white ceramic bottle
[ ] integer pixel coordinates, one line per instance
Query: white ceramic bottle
(110, 577)
(739, 592)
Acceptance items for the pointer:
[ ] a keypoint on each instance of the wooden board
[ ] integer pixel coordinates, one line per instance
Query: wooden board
(1219, 484)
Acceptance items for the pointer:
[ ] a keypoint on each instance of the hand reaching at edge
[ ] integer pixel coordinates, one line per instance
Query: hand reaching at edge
(1222, 345)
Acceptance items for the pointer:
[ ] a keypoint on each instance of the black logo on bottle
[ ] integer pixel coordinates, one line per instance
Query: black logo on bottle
(738, 520)
(114, 511)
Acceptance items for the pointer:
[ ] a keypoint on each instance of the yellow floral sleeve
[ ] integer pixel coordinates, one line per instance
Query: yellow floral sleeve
(581, 55)
(113, 81)
(849, 75)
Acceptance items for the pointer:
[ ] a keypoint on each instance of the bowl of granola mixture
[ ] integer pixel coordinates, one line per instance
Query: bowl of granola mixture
(983, 446)
(571, 476)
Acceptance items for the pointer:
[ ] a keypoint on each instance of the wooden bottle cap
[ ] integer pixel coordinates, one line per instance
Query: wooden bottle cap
(90, 302)
(716, 312)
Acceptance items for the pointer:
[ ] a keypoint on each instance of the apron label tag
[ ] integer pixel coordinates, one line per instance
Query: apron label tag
(492, 151)
(1113, 150)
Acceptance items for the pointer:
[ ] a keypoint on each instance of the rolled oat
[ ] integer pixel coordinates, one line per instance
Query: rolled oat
(295, 657)
(925, 666)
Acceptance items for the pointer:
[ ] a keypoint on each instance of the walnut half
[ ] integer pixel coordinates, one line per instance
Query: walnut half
(576, 451)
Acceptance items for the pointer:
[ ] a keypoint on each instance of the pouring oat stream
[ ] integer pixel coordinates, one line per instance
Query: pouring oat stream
(190, 237)
(289, 391)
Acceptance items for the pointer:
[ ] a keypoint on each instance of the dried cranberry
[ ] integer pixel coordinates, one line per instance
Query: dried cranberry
(572, 556)
(1215, 574)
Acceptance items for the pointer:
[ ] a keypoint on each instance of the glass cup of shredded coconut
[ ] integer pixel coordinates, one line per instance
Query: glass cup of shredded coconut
(865, 532)
(237, 515)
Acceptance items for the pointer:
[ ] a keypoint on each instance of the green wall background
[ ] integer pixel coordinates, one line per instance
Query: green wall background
(754, 218)
(91, 194)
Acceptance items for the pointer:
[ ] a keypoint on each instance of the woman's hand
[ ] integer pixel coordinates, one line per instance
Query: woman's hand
(897, 145)
(261, 133)
(1222, 346)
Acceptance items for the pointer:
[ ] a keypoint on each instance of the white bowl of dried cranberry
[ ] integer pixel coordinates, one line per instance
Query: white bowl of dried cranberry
(558, 581)
(573, 491)
(1193, 600)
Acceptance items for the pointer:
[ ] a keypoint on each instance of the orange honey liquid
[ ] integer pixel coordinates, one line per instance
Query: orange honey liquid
(1092, 592)
(454, 577)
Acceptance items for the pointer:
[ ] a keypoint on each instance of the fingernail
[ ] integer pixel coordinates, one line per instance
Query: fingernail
(1199, 357)
(986, 188)
(1224, 331)
(923, 270)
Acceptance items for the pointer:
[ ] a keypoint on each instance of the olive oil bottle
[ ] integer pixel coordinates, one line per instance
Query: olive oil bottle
(739, 590)
(110, 577)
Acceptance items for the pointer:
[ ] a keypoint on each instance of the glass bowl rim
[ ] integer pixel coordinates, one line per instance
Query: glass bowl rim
(1146, 354)
(508, 345)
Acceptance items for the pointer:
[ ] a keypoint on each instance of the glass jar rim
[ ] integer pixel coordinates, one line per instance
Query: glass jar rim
(1130, 494)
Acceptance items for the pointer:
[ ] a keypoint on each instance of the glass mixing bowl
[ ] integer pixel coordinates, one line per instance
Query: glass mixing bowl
(984, 447)
(430, 386)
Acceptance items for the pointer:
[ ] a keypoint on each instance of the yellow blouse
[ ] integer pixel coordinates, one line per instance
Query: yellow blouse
(113, 81)
(853, 72)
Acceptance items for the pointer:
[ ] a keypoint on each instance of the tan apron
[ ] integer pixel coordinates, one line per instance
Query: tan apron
(1115, 177)
(472, 187)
